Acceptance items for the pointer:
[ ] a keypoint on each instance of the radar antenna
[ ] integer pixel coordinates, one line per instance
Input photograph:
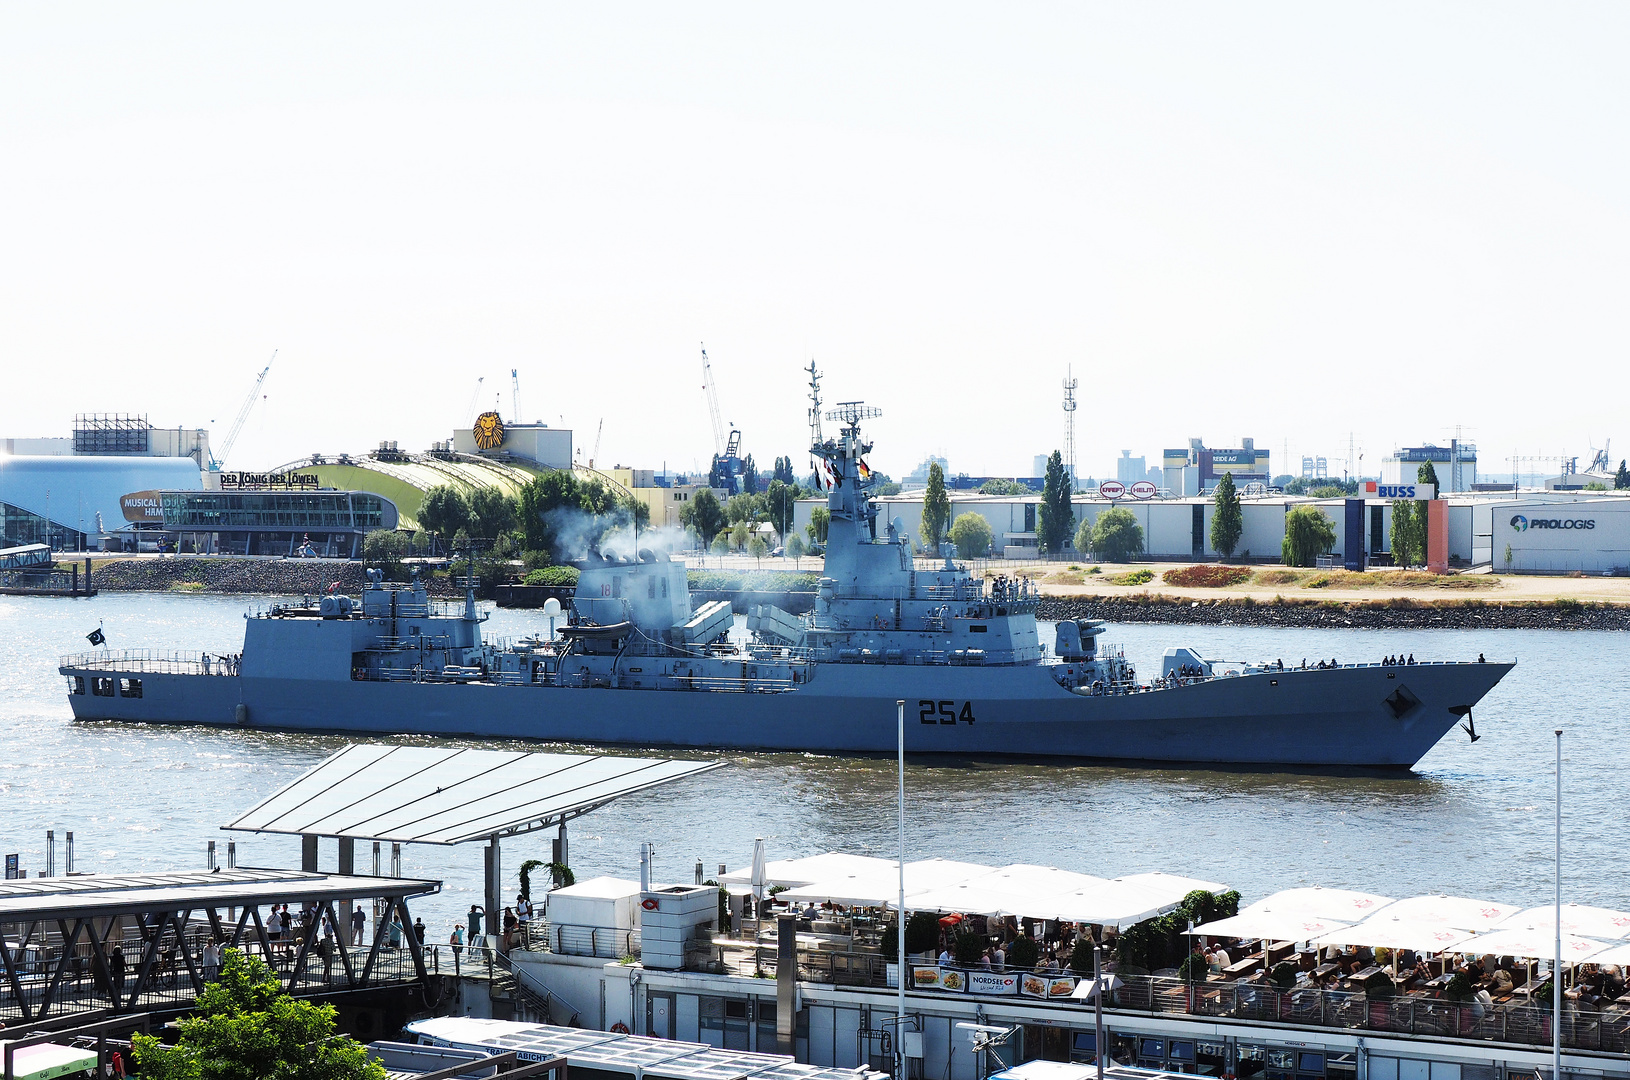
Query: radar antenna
(814, 404)
(852, 413)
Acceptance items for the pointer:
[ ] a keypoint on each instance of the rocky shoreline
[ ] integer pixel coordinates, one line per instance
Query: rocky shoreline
(274, 577)
(1394, 614)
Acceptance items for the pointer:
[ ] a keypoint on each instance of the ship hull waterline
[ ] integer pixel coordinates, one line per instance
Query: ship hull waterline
(1329, 717)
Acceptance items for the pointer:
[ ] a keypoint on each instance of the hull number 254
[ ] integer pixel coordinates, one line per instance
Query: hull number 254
(944, 712)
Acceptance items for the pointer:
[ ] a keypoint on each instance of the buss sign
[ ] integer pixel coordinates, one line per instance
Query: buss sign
(1112, 489)
(1143, 489)
(1400, 491)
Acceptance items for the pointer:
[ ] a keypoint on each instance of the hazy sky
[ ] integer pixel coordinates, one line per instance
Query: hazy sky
(1286, 221)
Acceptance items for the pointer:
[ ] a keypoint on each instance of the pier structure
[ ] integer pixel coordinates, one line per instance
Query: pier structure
(451, 795)
(131, 942)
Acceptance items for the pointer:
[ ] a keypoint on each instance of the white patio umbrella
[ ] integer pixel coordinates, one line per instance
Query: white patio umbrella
(810, 869)
(1618, 954)
(1340, 905)
(45, 1060)
(1578, 919)
(1458, 912)
(1261, 922)
(1531, 943)
(759, 879)
(1394, 933)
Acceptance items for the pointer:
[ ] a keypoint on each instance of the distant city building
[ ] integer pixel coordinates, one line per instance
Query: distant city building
(1196, 469)
(1455, 464)
(1130, 470)
(919, 475)
(664, 501)
(1038, 466)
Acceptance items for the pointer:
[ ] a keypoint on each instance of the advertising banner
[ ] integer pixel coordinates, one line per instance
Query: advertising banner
(938, 978)
(1046, 986)
(1112, 489)
(142, 506)
(989, 982)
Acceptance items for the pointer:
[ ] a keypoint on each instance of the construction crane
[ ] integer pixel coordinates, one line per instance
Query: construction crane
(711, 389)
(601, 430)
(475, 396)
(515, 395)
(215, 463)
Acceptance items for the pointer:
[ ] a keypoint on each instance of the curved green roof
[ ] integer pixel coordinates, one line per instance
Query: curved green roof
(405, 482)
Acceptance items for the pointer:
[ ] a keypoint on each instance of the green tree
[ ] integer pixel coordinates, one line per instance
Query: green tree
(1426, 474)
(704, 514)
(386, 548)
(1227, 520)
(781, 502)
(971, 534)
(756, 547)
(749, 475)
(745, 507)
(820, 520)
(1056, 519)
(543, 495)
(936, 509)
(492, 512)
(1408, 523)
(739, 532)
(245, 1026)
(1115, 537)
(998, 486)
(721, 542)
(795, 546)
(1308, 534)
(1621, 479)
(444, 510)
(783, 471)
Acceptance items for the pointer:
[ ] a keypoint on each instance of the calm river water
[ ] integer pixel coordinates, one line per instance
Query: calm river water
(1473, 820)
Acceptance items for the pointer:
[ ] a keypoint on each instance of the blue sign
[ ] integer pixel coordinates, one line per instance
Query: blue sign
(1405, 491)
(11, 867)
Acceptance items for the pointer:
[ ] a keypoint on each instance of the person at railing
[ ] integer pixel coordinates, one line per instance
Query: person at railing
(455, 942)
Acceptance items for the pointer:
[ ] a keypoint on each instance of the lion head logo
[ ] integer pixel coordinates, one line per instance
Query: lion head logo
(488, 431)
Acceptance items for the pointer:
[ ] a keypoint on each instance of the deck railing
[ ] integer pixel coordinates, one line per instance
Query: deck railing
(152, 662)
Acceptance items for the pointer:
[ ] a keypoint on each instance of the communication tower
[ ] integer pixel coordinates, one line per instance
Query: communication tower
(1069, 423)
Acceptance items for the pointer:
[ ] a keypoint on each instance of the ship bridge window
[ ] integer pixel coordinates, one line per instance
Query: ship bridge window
(651, 589)
(976, 628)
(130, 688)
(76, 684)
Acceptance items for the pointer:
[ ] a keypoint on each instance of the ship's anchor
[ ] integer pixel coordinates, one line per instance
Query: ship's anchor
(1470, 726)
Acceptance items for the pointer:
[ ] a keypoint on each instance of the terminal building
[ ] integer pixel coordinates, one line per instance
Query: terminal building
(1526, 532)
(67, 492)
(263, 514)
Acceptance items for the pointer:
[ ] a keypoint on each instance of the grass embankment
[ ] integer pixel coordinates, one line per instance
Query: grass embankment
(1222, 576)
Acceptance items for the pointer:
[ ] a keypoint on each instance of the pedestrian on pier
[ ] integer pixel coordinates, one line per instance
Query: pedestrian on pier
(456, 940)
(359, 923)
(116, 972)
(418, 930)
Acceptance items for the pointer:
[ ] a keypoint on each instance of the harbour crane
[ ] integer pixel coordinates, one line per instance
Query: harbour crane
(215, 462)
(711, 389)
(601, 430)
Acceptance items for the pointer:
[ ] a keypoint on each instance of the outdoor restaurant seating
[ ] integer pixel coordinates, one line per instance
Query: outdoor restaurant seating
(1432, 965)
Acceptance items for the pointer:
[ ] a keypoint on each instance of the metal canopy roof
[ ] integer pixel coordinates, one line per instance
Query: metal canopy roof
(92, 895)
(431, 795)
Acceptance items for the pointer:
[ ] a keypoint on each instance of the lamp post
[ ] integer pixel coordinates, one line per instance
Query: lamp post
(1556, 965)
(900, 911)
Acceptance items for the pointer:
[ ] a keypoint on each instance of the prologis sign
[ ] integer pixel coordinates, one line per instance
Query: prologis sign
(1522, 523)
(142, 506)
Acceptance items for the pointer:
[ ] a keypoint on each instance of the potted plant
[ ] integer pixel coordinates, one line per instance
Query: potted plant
(1023, 953)
(1459, 990)
(1283, 978)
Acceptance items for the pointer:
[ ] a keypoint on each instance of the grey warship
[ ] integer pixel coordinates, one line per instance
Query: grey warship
(638, 664)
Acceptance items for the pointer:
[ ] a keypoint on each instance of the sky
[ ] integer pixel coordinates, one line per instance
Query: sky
(1312, 225)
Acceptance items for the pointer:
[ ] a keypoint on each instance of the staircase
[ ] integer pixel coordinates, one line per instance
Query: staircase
(526, 994)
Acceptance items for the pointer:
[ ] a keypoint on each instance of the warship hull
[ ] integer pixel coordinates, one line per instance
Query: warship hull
(1347, 716)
